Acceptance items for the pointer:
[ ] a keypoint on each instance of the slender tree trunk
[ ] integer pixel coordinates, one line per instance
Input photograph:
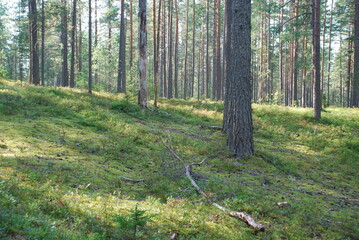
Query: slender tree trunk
(157, 52)
(96, 43)
(64, 42)
(42, 43)
(341, 102)
(281, 81)
(186, 56)
(207, 50)
(317, 100)
(176, 51)
(131, 33)
(143, 93)
(304, 73)
(355, 97)
(121, 77)
(170, 49)
(164, 51)
(31, 20)
(80, 41)
(73, 34)
(295, 60)
(349, 65)
(202, 59)
(329, 52)
(90, 50)
(34, 44)
(155, 62)
(193, 47)
(323, 44)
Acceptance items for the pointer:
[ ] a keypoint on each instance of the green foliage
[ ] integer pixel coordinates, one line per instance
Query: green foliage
(132, 226)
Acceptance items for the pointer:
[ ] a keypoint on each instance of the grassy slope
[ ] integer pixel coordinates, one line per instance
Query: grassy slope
(63, 153)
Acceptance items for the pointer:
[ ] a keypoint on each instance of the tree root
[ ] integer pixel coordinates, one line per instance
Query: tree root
(249, 220)
(212, 127)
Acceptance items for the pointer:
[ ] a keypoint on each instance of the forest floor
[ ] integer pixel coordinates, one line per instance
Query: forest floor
(66, 158)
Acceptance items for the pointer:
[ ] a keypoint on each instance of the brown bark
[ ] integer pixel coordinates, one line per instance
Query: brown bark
(42, 43)
(207, 50)
(143, 93)
(73, 34)
(170, 49)
(34, 49)
(317, 100)
(329, 51)
(176, 52)
(121, 77)
(355, 97)
(186, 56)
(90, 50)
(64, 42)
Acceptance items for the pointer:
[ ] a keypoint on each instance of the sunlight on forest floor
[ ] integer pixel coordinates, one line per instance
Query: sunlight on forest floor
(64, 153)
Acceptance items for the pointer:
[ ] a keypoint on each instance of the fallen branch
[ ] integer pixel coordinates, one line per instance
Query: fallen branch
(212, 127)
(240, 215)
(126, 179)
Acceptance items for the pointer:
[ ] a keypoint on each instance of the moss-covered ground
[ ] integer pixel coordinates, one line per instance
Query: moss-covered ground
(64, 153)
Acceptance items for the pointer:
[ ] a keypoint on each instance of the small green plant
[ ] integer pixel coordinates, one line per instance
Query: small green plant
(129, 226)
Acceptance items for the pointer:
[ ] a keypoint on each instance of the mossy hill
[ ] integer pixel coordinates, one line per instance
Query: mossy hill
(65, 156)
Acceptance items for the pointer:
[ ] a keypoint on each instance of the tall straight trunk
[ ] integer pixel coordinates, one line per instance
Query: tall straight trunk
(157, 52)
(73, 34)
(155, 62)
(281, 81)
(349, 65)
(186, 56)
(214, 63)
(330, 51)
(90, 50)
(304, 72)
(262, 82)
(355, 97)
(268, 75)
(317, 100)
(240, 130)
(96, 42)
(164, 67)
(202, 63)
(64, 42)
(131, 33)
(121, 77)
(31, 19)
(80, 41)
(218, 43)
(109, 48)
(170, 49)
(34, 43)
(43, 42)
(176, 51)
(295, 60)
(323, 44)
(207, 50)
(143, 93)
(341, 102)
(193, 47)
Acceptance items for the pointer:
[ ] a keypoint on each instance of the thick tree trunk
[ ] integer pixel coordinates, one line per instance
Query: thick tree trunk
(142, 46)
(121, 77)
(240, 130)
(73, 34)
(317, 100)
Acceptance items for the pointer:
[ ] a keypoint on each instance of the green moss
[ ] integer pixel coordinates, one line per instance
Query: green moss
(64, 153)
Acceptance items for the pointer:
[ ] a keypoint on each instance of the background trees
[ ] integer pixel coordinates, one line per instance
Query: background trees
(281, 53)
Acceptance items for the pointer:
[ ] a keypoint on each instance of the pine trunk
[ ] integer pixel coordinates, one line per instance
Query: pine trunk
(143, 93)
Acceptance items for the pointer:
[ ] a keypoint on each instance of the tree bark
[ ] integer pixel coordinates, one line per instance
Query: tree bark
(330, 51)
(90, 50)
(73, 34)
(64, 42)
(121, 77)
(317, 100)
(142, 46)
(34, 49)
(170, 49)
(240, 130)
(355, 97)
(43, 43)
(185, 85)
(207, 50)
(176, 51)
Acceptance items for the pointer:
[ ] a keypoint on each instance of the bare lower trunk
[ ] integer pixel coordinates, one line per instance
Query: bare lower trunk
(142, 46)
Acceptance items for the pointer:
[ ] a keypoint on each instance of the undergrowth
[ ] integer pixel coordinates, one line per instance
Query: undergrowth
(66, 158)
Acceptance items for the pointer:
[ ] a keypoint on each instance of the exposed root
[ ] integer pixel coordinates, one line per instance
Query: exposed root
(245, 217)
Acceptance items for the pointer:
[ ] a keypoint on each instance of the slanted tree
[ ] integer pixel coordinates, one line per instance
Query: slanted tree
(142, 46)
(238, 72)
